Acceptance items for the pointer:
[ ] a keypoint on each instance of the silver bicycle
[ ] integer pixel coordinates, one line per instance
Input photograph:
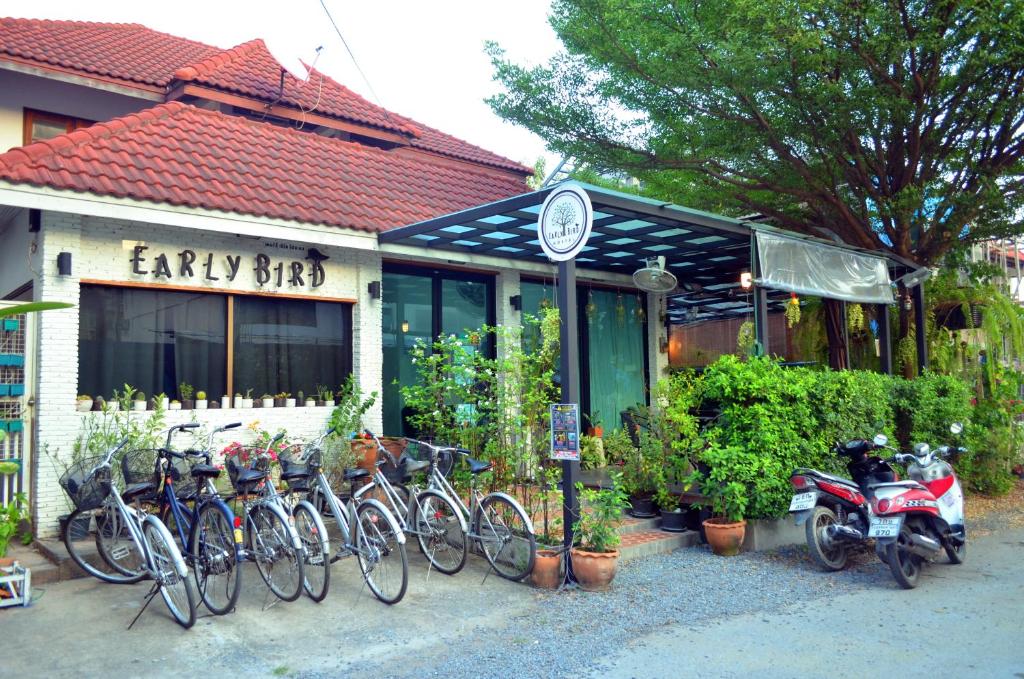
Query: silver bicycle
(499, 525)
(432, 517)
(132, 544)
(365, 529)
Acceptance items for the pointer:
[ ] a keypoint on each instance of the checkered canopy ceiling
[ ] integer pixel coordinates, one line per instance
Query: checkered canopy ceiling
(706, 252)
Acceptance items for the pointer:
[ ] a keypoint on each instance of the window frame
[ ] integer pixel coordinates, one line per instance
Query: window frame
(229, 316)
(31, 115)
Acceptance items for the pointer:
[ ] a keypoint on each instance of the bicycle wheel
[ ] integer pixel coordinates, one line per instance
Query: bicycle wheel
(176, 589)
(217, 570)
(504, 534)
(316, 566)
(96, 567)
(382, 558)
(116, 547)
(439, 532)
(279, 563)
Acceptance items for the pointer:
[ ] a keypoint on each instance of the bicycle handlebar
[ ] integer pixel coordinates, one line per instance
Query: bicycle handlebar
(381, 448)
(110, 454)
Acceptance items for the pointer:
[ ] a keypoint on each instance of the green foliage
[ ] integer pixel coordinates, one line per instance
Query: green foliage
(733, 480)
(592, 452)
(185, 390)
(100, 431)
(799, 110)
(596, 529)
(347, 416)
(10, 517)
(617, 446)
(993, 438)
(32, 307)
(925, 407)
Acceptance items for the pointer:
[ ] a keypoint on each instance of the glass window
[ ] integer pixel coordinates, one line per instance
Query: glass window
(615, 338)
(151, 339)
(40, 125)
(408, 316)
(288, 345)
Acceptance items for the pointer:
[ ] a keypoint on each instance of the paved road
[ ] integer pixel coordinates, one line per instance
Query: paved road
(961, 621)
(680, 615)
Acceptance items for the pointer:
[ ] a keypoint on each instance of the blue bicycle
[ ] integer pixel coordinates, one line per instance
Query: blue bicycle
(208, 530)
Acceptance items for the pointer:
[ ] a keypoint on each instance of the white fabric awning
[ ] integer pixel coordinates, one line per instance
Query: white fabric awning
(808, 268)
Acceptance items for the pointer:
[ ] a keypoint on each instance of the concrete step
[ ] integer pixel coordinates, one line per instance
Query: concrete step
(43, 570)
(57, 555)
(649, 542)
(631, 524)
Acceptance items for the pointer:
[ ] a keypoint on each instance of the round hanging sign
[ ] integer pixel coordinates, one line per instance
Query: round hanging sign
(564, 223)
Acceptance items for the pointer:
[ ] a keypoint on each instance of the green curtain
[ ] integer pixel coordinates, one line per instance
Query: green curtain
(616, 357)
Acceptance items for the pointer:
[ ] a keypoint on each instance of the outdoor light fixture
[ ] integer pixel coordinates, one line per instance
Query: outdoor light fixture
(405, 326)
(516, 302)
(374, 289)
(64, 263)
(746, 280)
(908, 303)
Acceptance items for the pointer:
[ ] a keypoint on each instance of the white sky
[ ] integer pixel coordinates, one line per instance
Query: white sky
(423, 58)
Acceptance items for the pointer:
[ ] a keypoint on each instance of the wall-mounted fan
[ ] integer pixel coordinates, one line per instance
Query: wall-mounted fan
(653, 277)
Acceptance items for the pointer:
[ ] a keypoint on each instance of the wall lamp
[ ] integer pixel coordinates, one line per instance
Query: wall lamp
(405, 326)
(374, 289)
(64, 263)
(516, 302)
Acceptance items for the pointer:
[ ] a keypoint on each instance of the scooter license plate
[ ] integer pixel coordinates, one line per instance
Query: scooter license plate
(803, 501)
(885, 527)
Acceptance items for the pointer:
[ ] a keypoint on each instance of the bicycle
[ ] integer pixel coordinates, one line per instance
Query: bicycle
(367, 530)
(309, 525)
(433, 518)
(270, 539)
(499, 524)
(132, 543)
(207, 532)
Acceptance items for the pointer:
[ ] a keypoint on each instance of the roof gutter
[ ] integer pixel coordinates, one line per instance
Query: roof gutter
(96, 82)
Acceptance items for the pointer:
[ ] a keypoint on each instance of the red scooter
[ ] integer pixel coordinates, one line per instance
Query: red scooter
(914, 520)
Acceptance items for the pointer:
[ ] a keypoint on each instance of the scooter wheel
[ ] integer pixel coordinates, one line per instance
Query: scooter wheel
(828, 555)
(905, 566)
(956, 553)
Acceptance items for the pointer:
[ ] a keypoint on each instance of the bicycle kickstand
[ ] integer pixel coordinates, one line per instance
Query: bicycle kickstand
(153, 591)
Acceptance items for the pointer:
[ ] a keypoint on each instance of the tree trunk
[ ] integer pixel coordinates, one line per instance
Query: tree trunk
(909, 367)
(835, 322)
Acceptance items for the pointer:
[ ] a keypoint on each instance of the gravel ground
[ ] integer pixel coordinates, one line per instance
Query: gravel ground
(567, 633)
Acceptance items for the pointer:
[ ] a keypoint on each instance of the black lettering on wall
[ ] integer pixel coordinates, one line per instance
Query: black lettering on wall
(234, 261)
(162, 269)
(138, 259)
(316, 274)
(279, 269)
(262, 269)
(187, 257)
(208, 265)
(296, 274)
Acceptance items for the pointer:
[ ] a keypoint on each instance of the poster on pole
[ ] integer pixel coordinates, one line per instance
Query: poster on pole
(565, 431)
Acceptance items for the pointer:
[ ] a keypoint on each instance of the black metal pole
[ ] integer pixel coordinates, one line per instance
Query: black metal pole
(761, 317)
(884, 338)
(570, 370)
(921, 330)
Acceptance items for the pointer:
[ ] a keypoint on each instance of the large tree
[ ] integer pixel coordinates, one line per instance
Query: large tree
(894, 124)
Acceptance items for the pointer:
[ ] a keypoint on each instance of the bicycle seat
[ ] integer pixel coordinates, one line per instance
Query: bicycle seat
(353, 474)
(204, 471)
(476, 466)
(250, 476)
(295, 472)
(415, 465)
(137, 490)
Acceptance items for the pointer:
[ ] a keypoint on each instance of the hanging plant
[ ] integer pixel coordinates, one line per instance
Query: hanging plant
(641, 313)
(591, 307)
(746, 338)
(620, 309)
(545, 303)
(855, 316)
(792, 310)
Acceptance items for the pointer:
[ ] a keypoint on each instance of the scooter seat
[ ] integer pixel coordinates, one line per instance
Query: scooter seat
(833, 479)
(897, 484)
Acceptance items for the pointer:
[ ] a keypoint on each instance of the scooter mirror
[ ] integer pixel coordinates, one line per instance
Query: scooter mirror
(880, 440)
(956, 428)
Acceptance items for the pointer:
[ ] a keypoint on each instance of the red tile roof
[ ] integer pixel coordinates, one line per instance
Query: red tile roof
(127, 52)
(250, 70)
(179, 154)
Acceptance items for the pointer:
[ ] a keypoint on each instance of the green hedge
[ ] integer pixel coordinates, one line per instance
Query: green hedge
(776, 419)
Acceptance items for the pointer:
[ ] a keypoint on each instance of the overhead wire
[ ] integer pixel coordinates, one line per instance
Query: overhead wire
(355, 63)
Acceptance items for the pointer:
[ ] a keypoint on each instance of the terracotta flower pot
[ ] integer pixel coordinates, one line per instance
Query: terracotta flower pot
(594, 570)
(547, 569)
(725, 536)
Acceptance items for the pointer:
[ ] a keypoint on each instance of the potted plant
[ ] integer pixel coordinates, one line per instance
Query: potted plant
(201, 401)
(591, 453)
(279, 399)
(114, 404)
(641, 470)
(98, 404)
(725, 484)
(596, 428)
(289, 402)
(247, 399)
(161, 400)
(673, 518)
(267, 401)
(225, 400)
(139, 402)
(11, 517)
(547, 569)
(325, 396)
(186, 390)
(595, 558)
(84, 403)
(174, 405)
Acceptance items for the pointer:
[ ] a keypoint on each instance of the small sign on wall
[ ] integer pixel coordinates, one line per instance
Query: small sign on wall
(565, 431)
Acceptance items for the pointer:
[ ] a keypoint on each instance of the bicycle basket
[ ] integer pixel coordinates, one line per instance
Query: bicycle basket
(248, 457)
(294, 465)
(140, 466)
(419, 452)
(87, 490)
(180, 472)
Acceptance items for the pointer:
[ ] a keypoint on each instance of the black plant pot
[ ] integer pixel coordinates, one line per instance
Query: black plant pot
(695, 518)
(642, 507)
(673, 522)
(79, 528)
